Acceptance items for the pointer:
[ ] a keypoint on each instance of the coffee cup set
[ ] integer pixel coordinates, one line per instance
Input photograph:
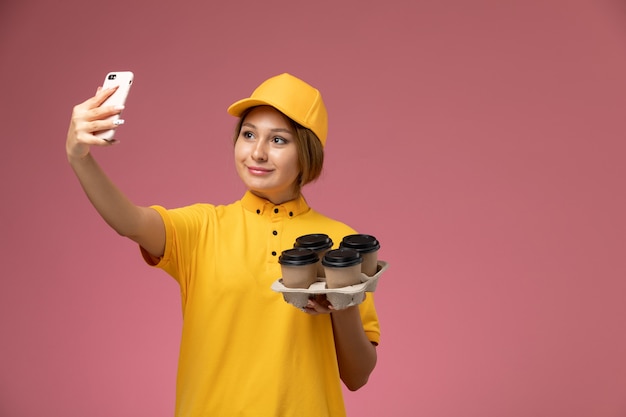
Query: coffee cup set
(344, 274)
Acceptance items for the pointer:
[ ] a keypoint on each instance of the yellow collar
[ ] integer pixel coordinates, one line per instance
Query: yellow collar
(262, 206)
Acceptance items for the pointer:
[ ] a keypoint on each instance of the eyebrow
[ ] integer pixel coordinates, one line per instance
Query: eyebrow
(279, 129)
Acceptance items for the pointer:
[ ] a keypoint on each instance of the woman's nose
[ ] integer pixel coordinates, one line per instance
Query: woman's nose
(259, 153)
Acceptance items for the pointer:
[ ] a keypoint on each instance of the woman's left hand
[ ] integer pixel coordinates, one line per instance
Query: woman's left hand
(319, 305)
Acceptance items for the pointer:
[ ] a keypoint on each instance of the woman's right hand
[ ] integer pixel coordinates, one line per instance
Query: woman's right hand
(87, 119)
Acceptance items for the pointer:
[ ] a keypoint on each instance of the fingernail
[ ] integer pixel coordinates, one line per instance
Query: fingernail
(119, 107)
(118, 122)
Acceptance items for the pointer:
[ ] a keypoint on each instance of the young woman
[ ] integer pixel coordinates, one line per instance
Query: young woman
(244, 351)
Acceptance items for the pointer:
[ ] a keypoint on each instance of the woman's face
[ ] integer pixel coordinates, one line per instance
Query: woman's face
(266, 155)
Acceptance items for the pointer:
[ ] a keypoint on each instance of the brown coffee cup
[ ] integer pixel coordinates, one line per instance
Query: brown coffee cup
(342, 267)
(367, 246)
(320, 243)
(298, 267)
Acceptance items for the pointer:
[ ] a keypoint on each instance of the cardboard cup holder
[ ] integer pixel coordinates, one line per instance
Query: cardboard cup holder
(340, 298)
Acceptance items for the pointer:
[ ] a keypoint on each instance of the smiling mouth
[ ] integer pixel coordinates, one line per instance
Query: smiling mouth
(258, 171)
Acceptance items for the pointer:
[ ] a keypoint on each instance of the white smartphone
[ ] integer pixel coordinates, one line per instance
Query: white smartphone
(124, 80)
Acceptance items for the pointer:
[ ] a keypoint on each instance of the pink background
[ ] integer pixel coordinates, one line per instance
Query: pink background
(481, 141)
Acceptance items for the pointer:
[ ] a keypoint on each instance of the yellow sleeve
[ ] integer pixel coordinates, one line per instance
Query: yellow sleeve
(369, 317)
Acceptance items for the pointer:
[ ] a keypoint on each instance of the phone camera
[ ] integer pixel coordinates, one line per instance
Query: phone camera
(112, 76)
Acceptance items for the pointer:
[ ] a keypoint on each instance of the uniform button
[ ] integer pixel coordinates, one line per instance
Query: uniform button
(274, 232)
(258, 211)
(273, 253)
(275, 210)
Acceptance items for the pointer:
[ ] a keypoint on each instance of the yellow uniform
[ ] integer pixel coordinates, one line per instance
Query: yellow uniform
(244, 350)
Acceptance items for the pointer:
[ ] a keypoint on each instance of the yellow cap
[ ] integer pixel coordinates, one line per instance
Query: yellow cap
(292, 97)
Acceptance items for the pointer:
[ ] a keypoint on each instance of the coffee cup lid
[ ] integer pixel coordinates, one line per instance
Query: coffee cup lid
(314, 241)
(360, 242)
(342, 257)
(298, 257)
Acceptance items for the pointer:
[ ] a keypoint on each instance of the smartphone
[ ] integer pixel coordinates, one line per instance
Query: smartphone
(124, 80)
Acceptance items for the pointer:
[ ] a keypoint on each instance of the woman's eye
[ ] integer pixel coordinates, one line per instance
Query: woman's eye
(279, 140)
(247, 135)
